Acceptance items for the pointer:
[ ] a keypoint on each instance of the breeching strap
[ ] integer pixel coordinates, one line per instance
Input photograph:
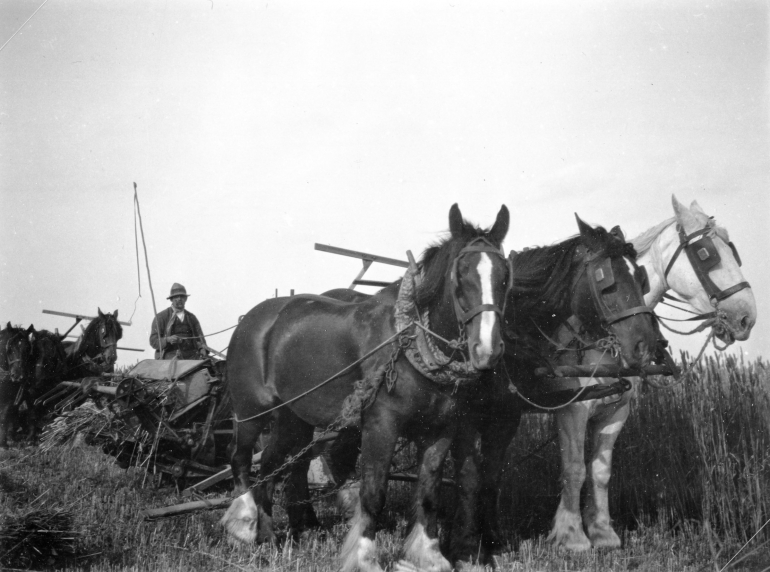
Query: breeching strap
(327, 380)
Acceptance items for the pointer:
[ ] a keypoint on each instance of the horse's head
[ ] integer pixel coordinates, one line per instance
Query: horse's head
(100, 340)
(607, 297)
(709, 276)
(465, 282)
(17, 351)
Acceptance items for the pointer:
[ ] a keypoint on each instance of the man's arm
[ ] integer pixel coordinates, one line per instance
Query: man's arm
(201, 339)
(158, 325)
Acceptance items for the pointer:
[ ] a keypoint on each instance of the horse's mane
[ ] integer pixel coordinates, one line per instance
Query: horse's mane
(644, 241)
(438, 257)
(543, 280)
(53, 337)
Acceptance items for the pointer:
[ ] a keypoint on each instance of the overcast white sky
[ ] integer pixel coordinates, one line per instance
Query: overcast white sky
(254, 130)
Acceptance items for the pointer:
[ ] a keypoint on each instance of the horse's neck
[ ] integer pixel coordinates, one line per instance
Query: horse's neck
(656, 260)
(77, 348)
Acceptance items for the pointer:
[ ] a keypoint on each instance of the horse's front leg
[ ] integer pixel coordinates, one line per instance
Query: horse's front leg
(605, 428)
(465, 538)
(421, 547)
(495, 439)
(380, 432)
(567, 528)
(7, 411)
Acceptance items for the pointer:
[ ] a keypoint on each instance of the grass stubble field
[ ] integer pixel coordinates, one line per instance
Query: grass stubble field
(690, 491)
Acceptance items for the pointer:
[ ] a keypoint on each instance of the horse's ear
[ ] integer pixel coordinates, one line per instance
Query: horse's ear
(115, 314)
(31, 329)
(684, 217)
(695, 207)
(591, 238)
(456, 223)
(500, 228)
(101, 314)
(8, 326)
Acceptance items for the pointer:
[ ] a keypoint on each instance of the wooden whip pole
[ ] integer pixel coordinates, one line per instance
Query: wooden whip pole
(149, 278)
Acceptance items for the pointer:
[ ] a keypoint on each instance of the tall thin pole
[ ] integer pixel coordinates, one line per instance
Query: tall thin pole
(149, 278)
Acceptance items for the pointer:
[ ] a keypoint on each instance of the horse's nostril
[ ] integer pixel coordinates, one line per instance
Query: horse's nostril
(744, 322)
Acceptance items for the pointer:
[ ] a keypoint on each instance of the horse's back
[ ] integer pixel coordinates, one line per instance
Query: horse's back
(286, 346)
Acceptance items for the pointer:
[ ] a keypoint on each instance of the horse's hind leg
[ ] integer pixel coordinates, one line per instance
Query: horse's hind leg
(292, 435)
(246, 434)
(341, 457)
(245, 520)
(567, 528)
(604, 430)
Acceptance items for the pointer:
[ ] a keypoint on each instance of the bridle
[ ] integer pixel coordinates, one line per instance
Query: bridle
(19, 358)
(704, 256)
(480, 245)
(99, 359)
(598, 267)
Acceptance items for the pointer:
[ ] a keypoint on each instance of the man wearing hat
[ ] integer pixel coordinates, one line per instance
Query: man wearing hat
(177, 331)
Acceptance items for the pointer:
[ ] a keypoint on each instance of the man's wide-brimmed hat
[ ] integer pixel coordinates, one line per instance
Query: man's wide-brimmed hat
(177, 290)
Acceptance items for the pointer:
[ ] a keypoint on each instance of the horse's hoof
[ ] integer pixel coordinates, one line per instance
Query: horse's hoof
(247, 522)
(424, 552)
(603, 537)
(359, 554)
(466, 566)
(567, 532)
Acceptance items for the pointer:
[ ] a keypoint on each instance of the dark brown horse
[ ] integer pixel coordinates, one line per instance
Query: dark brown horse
(15, 366)
(591, 276)
(307, 352)
(49, 362)
(96, 350)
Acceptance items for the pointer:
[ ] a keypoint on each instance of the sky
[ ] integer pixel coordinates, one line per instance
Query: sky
(255, 130)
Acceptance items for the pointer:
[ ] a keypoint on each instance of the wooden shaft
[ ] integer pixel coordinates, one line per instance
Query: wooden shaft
(361, 255)
(600, 371)
(78, 317)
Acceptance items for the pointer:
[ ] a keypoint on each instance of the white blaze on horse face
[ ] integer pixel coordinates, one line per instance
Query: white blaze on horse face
(631, 267)
(488, 318)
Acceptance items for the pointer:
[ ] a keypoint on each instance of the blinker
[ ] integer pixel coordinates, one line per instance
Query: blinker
(706, 251)
(603, 275)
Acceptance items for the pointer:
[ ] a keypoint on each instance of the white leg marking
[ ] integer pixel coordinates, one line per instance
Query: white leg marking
(241, 518)
(424, 552)
(612, 428)
(358, 552)
(487, 318)
(600, 470)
